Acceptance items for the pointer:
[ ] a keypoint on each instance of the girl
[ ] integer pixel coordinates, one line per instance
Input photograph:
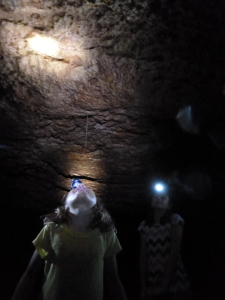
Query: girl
(162, 271)
(76, 247)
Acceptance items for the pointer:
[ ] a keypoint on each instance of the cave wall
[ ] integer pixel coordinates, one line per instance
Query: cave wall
(101, 101)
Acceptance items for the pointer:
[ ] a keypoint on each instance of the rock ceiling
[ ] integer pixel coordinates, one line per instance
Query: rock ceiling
(91, 89)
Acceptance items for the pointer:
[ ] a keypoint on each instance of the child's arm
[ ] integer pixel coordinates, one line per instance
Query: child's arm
(113, 285)
(176, 239)
(143, 264)
(30, 283)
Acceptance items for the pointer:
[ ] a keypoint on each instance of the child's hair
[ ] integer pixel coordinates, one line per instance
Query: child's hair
(101, 218)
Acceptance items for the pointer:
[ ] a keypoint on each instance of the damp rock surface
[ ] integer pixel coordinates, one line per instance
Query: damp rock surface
(91, 89)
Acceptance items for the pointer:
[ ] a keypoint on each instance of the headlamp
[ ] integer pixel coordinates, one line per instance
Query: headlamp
(160, 188)
(75, 183)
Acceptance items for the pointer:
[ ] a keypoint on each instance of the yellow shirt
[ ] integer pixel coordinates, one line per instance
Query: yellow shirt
(74, 262)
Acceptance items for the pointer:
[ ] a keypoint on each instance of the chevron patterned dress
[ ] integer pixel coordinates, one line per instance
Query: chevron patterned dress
(157, 239)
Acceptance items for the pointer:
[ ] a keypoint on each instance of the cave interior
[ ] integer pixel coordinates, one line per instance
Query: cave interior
(116, 93)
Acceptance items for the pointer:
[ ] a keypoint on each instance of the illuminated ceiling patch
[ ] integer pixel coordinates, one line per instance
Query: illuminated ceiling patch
(44, 45)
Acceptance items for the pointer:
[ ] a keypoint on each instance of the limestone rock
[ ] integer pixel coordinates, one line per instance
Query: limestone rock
(88, 89)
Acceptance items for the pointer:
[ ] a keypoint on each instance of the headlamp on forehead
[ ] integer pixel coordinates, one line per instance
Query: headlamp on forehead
(160, 188)
(75, 183)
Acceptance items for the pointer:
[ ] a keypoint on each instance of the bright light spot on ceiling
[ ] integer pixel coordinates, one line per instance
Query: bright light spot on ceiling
(44, 45)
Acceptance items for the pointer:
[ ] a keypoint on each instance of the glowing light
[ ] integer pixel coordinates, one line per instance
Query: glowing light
(44, 45)
(159, 187)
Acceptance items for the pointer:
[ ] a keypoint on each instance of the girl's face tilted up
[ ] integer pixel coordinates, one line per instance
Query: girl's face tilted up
(160, 201)
(80, 200)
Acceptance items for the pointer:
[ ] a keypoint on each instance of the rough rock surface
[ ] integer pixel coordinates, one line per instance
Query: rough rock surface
(99, 99)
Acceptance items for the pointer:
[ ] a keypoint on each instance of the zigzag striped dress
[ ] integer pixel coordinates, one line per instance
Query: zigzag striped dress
(157, 239)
